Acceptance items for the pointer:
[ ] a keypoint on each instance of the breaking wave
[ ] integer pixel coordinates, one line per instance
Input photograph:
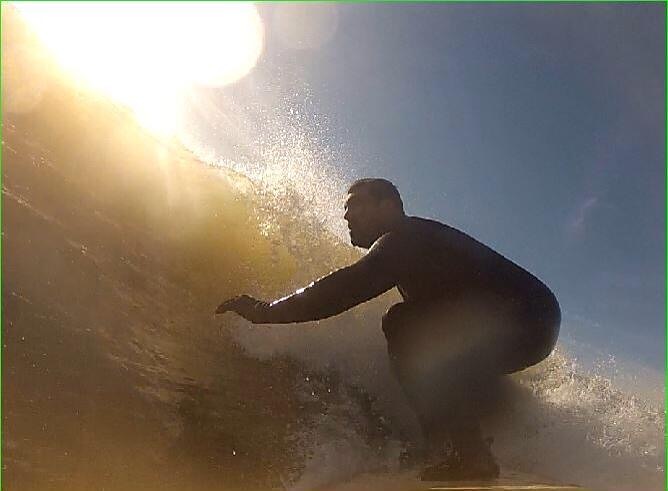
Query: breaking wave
(115, 375)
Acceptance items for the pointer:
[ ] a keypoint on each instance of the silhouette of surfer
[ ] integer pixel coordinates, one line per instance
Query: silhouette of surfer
(468, 316)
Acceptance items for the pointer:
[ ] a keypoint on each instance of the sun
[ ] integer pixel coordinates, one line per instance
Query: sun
(146, 55)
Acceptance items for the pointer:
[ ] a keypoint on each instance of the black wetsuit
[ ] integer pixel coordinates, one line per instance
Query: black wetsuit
(468, 315)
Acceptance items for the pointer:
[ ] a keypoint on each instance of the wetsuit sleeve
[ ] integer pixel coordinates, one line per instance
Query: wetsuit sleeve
(338, 291)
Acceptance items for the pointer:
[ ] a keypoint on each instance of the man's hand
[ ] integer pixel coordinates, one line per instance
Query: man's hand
(247, 307)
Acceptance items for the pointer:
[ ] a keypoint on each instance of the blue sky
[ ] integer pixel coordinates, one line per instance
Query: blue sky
(537, 128)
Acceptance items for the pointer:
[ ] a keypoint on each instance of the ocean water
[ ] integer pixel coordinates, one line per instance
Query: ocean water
(577, 417)
(117, 247)
(574, 419)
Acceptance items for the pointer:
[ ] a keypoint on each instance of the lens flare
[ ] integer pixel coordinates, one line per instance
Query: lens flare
(144, 54)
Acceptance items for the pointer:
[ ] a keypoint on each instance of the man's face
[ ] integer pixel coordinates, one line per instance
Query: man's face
(362, 215)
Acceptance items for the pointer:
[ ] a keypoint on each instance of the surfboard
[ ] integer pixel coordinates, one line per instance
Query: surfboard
(509, 481)
(481, 486)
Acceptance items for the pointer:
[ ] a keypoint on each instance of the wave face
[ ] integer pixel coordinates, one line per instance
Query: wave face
(117, 248)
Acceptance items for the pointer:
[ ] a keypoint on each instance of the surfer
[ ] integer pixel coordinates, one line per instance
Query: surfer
(468, 316)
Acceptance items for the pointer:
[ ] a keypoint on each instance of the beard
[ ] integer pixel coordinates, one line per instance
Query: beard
(360, 240)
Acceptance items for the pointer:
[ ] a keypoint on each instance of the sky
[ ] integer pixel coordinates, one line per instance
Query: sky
(536, 128)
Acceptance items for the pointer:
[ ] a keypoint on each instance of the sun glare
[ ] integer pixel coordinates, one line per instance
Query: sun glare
(147, 54)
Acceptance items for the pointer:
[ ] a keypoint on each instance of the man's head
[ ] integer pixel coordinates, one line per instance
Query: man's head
(373, 207)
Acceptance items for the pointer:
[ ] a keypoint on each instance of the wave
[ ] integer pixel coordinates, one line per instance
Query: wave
(116, 249)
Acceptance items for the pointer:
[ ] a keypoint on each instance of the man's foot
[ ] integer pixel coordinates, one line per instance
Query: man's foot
(461, 465)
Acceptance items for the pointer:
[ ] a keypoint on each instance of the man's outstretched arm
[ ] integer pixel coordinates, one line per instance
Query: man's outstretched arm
(325, 297)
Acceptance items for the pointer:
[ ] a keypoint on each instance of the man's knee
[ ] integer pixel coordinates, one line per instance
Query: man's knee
(395, 318)
(538, 337)
(547, 314)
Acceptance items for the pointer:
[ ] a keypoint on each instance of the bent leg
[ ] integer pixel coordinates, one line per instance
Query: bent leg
(534, 332)
(441, 385)
(447, 357)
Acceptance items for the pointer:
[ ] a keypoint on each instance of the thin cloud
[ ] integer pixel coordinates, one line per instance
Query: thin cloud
(578, 224)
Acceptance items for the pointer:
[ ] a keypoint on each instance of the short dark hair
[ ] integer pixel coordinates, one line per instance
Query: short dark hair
(377, 188)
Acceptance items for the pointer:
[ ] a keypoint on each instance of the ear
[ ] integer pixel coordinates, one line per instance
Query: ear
(387, 206)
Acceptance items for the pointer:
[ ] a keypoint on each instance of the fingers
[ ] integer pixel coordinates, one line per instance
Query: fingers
(247, 307)
(221, 309)
(237, 304)
(227, 305)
